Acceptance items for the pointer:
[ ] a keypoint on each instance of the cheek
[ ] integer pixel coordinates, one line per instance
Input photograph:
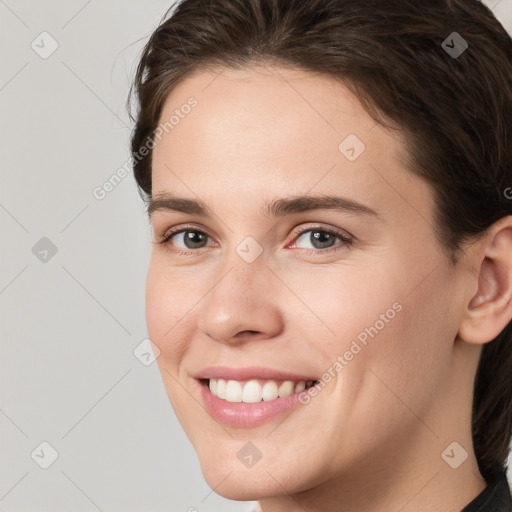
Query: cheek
(378, 316)
(169, 302)
(169, 299)
(344, 304)
(407, 360)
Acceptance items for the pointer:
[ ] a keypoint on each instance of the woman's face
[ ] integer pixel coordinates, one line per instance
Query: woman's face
(281, 294)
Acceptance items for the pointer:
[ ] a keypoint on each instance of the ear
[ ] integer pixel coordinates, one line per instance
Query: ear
(490, 309)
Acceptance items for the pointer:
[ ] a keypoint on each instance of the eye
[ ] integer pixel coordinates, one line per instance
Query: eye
(189, 239)
(323, 240)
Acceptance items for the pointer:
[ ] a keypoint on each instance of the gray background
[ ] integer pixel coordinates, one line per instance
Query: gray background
(70, 321)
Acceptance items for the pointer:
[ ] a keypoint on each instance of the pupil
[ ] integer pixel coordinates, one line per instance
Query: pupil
(323, 238)
(191, 237)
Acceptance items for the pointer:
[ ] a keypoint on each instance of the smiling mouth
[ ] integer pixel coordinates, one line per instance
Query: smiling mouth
(255, 390)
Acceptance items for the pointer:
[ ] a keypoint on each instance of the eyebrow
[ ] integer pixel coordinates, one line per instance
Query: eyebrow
(276, 208)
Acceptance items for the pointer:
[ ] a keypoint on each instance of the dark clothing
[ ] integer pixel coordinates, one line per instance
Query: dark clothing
(494, 498)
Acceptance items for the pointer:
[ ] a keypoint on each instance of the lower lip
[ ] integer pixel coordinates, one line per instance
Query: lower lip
(244, 414)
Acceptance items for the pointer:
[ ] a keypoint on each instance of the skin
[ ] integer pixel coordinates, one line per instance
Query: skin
(372, 439)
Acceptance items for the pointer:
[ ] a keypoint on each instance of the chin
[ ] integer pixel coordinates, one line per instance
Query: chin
(233, 481)
(242, 485)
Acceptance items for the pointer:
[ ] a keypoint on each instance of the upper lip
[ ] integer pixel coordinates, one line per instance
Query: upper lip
(251, 372)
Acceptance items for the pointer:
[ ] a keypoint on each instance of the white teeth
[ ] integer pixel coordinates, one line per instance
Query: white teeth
(300, 386)
(286, 388)
(252, 391)
(269, 391)
(234, 391)
(221, 388)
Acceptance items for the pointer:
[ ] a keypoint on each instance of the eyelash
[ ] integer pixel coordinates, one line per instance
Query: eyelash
(346, 240)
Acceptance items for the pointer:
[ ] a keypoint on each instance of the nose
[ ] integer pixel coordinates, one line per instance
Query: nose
(243, 304)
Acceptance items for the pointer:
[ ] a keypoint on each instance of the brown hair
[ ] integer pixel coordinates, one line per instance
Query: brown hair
(454, 111)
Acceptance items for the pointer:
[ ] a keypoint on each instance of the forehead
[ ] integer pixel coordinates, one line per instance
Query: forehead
(280, 109)
(269, 129)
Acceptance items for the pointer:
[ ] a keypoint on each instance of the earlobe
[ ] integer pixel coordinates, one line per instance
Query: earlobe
(490, 308)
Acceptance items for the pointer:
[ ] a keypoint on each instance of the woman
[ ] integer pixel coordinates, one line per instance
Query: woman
(329, 186)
